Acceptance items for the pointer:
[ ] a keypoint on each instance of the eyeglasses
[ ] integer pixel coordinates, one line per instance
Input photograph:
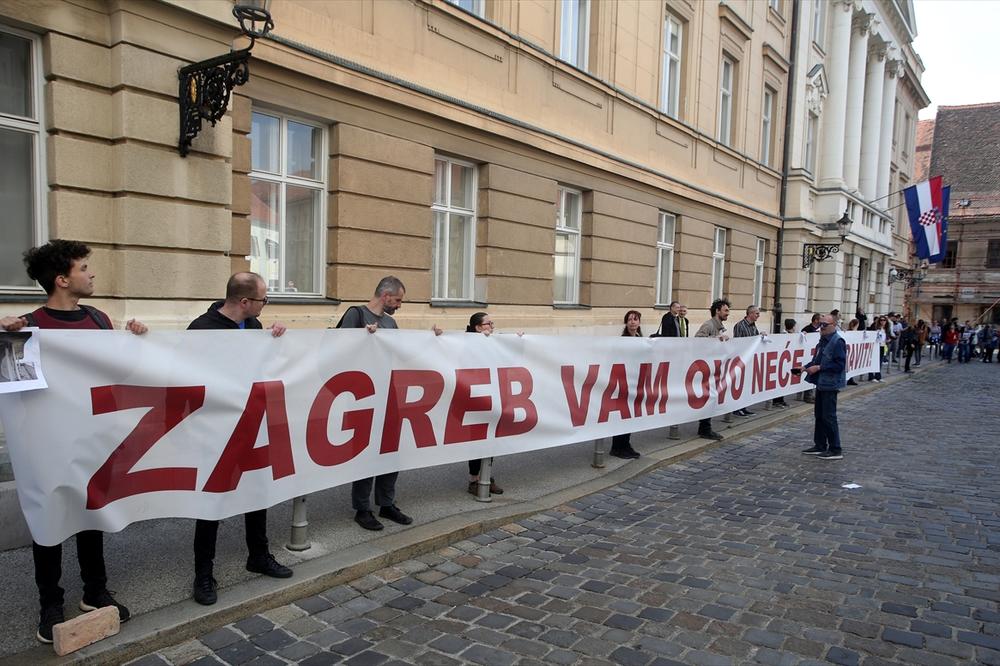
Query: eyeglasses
(262, 301)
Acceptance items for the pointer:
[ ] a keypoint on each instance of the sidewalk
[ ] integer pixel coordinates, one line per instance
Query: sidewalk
(150, 564)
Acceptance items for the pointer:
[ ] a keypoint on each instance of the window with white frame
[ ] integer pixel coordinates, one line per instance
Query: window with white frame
(758, 272)
(287, 203)
(476, 7)
(22, 181)
(670, 92)
(726, 77)
(665, 258)
(454, 239)
(766, 126)
(718, 262)
(775, 5)
(819, 22)
(574, 32)
(569, 218)
(812, 127)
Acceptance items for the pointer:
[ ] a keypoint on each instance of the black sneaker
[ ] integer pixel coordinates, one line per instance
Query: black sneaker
(266, 565)
(711, 434)
(367, 520)
(814, 451)
(204, 589)
(394, 514)
(48, 618)
(619, 453)
(631, 453)
(830, 455)
(102, 599)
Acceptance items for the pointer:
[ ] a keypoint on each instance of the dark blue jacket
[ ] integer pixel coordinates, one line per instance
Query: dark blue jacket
(831, 357)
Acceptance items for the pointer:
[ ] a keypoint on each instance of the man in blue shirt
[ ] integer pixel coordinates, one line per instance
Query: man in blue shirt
(828, 372)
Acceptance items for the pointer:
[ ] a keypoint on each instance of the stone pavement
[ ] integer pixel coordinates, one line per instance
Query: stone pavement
(749, 552)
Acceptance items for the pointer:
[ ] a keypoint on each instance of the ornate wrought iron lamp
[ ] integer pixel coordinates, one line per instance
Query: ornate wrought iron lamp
(822, 251)
(911, 276)
(204, 87)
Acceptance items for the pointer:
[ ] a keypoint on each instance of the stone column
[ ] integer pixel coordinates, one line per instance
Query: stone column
(860, 30)
(893, 70)
(831, 168)
(872, 122)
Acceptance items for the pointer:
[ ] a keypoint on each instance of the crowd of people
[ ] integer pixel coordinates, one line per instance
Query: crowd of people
(61, 268)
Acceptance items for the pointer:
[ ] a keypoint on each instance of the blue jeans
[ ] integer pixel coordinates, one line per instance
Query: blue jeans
(946, 351)
(826, 436)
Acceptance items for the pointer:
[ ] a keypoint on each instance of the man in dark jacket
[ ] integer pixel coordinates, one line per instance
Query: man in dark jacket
(828, 372)
(673, 324)
(246, 296)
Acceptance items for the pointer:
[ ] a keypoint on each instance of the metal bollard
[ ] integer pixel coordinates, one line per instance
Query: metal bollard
(674, 432)
(485, 474)
(598, 461)
(299, 537)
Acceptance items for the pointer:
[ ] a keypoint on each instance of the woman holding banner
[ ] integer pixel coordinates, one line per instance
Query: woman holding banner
(481, 322)
(621, 447)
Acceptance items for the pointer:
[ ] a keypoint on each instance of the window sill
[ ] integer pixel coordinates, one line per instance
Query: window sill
(569, 306)
(26, 297)
(443, 303)
(286, 299)
(661, 307)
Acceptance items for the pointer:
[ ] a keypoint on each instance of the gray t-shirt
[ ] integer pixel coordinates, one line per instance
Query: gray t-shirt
(359, 316)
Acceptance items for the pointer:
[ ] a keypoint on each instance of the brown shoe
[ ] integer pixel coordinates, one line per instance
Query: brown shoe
(494, 488)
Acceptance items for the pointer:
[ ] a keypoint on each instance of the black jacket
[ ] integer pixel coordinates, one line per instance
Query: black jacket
(213, 319)
(669, 328)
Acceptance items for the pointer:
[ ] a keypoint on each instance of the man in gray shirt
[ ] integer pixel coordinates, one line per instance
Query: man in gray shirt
(376, 314)
(713, 328)
(747, 328)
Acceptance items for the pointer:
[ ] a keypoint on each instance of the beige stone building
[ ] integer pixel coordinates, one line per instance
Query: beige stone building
(554, 161)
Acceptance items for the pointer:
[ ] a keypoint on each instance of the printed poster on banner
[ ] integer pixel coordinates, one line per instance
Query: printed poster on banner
(20, 361)
(211, 424)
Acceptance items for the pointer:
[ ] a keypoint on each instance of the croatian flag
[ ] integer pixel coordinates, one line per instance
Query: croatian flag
(927, 206)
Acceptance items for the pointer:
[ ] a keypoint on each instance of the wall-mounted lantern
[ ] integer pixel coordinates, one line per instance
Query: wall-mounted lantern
(204, 87)
(822, 251)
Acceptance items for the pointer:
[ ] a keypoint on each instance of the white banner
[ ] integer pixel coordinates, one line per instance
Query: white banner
(210, 424)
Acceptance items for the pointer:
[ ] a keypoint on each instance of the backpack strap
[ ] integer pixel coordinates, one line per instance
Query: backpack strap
(340, 324)
(95, 315)
(30, 317)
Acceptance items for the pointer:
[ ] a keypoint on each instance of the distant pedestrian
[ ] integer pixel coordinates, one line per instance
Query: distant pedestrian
(908, 345)
(828, 372)
(811, 327)
(376, 314)
(713, 328)
(621, 445)
(789, 328)
(987, 342)
(923, 335)
(949, 340)
(246, 296)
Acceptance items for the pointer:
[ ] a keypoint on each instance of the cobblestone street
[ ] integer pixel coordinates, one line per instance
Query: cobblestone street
(749, 552)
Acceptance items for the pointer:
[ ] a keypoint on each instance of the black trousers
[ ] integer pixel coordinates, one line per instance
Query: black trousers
(385, 491)
(48, 567)
(704, 426)
(826, 434)
(206, 531)
(621, 442)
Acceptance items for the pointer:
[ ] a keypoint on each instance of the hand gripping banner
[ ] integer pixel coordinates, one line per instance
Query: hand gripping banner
(210, 424)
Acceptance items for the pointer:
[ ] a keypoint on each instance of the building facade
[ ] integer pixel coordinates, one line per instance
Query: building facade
(556, 162)
(963, 147)
(857, 96)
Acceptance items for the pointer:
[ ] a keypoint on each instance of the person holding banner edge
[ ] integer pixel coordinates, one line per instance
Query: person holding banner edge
(61, 268)
(621, 445)
(246, 296)
(480, 322)
(376, 314)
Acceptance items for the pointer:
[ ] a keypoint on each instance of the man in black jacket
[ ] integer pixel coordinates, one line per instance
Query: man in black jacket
(246, 296)
(673, 324)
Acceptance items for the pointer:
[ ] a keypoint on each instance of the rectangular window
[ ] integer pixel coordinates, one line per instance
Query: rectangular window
(454, 239)
(665, 258)
(819, 21)
(569, 222)
(726, 77)
(993, 254)
(907, 133)
(670, 92)
(950, 255)
(472, 6)
(574, 32)
(758, 272)
(812, 126)
(766, 126)
(718, 262)
(22, 181)
(287, 203)
(775, 5)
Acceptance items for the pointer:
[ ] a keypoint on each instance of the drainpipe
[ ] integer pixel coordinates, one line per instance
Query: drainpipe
(786, 152)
